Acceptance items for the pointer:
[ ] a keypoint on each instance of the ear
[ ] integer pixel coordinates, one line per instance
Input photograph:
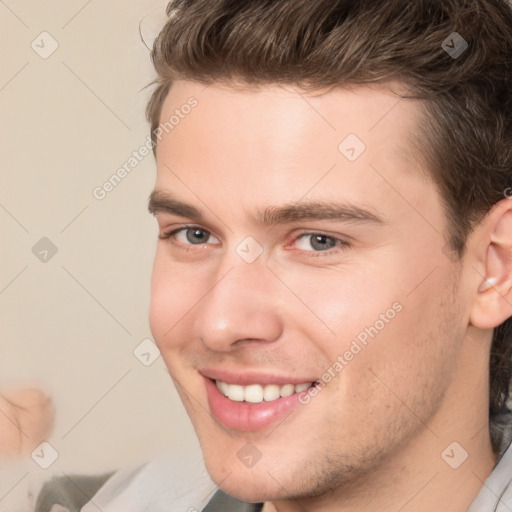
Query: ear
(493, 292)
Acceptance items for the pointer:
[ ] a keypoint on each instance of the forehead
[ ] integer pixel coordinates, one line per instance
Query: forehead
(278, 143)
(278, 113)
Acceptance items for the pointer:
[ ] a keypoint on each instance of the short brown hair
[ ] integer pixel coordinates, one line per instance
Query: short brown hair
(466, 132)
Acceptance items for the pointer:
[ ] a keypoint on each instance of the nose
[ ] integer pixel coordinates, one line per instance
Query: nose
(244, 303)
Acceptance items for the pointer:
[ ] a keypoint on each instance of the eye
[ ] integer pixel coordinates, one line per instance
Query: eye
(189, 235)
(319, 242)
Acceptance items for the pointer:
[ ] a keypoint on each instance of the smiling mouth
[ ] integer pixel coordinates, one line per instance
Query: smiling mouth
(257, 393)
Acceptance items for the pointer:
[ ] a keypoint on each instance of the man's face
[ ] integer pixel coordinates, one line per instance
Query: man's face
(360, 299)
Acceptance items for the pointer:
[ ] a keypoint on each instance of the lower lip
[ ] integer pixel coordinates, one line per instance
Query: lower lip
(246, 416)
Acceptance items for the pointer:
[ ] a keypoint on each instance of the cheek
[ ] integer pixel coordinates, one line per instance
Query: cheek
(384, 315)
(170, 301)
(412, 359)
(341, 302)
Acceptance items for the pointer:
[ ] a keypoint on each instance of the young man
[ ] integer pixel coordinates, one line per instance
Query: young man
(332, 286)
(335, 253)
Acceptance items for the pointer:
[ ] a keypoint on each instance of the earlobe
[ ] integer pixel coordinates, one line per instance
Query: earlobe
(493, 300)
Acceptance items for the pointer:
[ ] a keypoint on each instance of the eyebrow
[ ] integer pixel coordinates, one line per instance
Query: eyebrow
(164, 202)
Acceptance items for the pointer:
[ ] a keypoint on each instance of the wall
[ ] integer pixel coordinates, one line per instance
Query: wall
(70, 321)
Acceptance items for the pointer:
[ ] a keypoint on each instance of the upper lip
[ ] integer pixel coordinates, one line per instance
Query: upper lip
(245, 378)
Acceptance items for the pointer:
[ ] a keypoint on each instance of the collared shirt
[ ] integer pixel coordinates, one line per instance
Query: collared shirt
(496, 493)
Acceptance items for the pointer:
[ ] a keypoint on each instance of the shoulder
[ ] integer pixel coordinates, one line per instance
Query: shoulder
(69, 493)
(177, 478)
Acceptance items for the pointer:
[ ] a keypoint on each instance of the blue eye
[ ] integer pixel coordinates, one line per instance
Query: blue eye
(319, 242)
(316, 244)
(190, 236)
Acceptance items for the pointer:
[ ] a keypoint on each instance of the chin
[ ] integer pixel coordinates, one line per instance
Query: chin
(247, 484)
(250, 490)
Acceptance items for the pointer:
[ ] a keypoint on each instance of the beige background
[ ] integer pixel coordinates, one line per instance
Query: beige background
(68, 122)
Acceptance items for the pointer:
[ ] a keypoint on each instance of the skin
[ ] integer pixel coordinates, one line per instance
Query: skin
(26, 419)
(372, 439)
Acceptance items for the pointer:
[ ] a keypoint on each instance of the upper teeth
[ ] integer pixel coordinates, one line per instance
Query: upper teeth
(256, 393)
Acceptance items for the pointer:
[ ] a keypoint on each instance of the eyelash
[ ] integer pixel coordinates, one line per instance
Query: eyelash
(341, 245)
